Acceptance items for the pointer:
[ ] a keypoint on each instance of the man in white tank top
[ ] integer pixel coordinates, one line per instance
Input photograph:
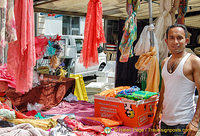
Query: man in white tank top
(180, 73)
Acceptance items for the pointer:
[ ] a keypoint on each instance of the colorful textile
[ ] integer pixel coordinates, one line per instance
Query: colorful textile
(23, 130)
(182, 10)
(80, 109)
(138, 95)
(130, 31)
(21, 53)
(40, 46)
(44, 124)
(50, 93)
(141, 95)
(143, 44)
(18, 114)
(7, 114)
(148, 61)
(6, 77)
(61, 129)
(106, 122)
(164, 20)
(113, 92)
(128, 91)
(50, 49)
(93, 34)
(7, 19)
(76, 125)
(7, 27)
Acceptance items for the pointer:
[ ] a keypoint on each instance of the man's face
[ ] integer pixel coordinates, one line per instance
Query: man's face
(176, 41)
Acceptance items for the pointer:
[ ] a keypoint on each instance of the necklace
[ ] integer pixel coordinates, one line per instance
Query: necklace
(174, 63)
(171, 68)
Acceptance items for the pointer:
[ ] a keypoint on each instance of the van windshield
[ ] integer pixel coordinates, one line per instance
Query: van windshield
(79, 45)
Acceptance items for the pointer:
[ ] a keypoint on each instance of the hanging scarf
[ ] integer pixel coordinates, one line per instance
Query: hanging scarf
(21, 53)
(130, 31)
(93, 34)
(182, 11)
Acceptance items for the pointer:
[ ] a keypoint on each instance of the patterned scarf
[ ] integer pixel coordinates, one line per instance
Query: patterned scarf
(130, 31)
(182, 11)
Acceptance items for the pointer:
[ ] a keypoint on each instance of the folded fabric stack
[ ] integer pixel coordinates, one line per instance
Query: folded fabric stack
(134, 93)
(128, 91)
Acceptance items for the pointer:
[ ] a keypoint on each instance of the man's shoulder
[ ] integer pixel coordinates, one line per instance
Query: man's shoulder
(194, 58)
(164, 61)
(194, 61)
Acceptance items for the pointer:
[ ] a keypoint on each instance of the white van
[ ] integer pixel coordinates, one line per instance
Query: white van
(72, 48)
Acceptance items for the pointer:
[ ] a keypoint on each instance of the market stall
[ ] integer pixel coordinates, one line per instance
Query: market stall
(124, 110)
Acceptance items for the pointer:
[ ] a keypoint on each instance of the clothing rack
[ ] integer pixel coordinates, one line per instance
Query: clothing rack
(151, 22)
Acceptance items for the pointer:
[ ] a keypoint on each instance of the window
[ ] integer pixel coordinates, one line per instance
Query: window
(71, 25)
(66, 25)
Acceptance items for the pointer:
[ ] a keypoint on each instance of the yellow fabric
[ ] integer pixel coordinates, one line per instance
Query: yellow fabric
(149, 61)
(43, 69)
(62, 74)
(80, 91)
(44, 124)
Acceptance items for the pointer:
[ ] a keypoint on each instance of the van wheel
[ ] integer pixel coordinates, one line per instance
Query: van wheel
(101, 67)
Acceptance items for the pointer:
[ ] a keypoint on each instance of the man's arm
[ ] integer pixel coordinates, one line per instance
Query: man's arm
(160, 104)
(193, 125)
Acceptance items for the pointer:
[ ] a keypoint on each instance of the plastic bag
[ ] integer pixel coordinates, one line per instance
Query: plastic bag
(36, 107)
(143, 44)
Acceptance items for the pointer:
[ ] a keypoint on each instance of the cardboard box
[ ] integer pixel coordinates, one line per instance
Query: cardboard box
(132, 113)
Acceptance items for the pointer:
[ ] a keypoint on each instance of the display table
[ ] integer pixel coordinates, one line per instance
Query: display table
(49, 93)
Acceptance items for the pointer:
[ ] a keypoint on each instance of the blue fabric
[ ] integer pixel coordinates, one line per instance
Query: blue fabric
(177, 130)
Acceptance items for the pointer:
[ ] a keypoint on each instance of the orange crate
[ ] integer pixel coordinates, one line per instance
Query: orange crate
(132, 113)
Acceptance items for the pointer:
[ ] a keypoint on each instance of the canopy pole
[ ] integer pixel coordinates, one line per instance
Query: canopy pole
(151, 22)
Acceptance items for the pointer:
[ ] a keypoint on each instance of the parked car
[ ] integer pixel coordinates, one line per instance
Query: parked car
(72, 48)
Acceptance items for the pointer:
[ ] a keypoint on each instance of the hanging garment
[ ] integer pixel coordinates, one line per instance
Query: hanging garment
(182, 9)
(148, 61)
(7, 27)
(174, 8)
(40, 46)
(93, 34)
(21, 53)
(130, 31)
(3, 5)
(164, 20)
(143, 44)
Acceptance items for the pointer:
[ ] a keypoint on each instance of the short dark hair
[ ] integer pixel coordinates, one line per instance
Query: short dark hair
(177, 25)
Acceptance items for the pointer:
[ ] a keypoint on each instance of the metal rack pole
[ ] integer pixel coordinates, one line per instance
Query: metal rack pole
(151, 22)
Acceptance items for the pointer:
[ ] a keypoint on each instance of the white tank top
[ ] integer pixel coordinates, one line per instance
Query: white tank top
(178, 103)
